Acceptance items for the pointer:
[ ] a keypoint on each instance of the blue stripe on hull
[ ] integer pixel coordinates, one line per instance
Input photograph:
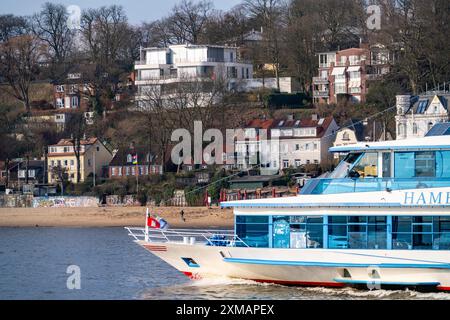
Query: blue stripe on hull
(386, 283)
(337, 265)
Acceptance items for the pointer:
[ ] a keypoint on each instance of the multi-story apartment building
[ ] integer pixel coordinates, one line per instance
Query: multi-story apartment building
(160, 69)
(294, 143)
(348, 73)
(94, 157)
(416, 115)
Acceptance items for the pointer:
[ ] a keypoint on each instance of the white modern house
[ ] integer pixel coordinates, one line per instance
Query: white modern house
(416, 115)
(160, 70)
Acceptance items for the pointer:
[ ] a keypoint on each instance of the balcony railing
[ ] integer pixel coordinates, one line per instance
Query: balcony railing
(347, 185)
(321, 93)
(320, 80)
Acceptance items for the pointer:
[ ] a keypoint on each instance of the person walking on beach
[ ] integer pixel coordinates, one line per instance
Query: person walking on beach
(182, 215)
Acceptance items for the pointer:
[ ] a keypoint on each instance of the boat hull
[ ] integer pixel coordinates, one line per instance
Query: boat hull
(372, 269)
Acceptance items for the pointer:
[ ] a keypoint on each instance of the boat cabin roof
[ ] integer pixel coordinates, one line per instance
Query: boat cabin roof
(434, 142)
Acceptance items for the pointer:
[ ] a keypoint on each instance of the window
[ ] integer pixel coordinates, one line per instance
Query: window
(386, 164)
(298, 163)
(366, 166)
(297, 147)
(340, 88)
(285, 164)
(415, 164)
(281, 232)
(306, 232)
(74, 102)
(253, 230)
(414, 128)
(59, 88)
(443, 164)
(401, 129)
(357, 232)
(60, 103)
(346, 136)
(412, 233)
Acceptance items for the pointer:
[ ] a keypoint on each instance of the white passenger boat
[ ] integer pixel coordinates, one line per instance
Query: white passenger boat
(381, 218)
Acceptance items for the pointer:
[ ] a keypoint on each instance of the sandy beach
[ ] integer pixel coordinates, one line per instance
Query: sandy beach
(199, 218)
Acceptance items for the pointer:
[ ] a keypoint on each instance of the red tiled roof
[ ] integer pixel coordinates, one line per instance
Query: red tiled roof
(68, 142)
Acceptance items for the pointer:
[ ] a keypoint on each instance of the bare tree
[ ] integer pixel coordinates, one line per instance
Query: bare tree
(189, 19)
(77, 128)
(19, 66)
(11, 26)
(270, 13)
(112, 47)
(50, 26)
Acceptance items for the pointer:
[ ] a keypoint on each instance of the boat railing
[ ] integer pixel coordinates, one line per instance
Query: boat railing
(371, 184)
(221, 238)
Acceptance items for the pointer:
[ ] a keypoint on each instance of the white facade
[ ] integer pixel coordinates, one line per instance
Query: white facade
(291, 144)
(416, 115)
(159, 67)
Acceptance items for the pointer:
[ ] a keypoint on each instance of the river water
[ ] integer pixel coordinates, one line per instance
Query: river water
(105, 264)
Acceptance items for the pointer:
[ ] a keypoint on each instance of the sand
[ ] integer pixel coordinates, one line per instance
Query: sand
(198, 218)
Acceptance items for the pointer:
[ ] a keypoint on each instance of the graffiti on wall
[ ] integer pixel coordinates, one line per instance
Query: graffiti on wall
(127, 201)
(16, 201)
(65, 202)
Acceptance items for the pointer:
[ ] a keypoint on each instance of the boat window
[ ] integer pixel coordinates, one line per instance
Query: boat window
(301, 232)
(386, 164)
(357, 232)
(412, 233)
(252, 219)
(281, 232)
(366, 166)
(253, 230)
(441, 235)
(416, 164)
(345, 165)
(443, 164)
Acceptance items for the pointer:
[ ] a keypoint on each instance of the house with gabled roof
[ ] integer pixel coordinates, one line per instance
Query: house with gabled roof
(294, 142)
(416, 115)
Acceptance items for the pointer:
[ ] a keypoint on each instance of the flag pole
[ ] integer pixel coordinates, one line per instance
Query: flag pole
(146, 225)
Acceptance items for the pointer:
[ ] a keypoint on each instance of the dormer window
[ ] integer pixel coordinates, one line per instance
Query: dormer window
(346, 136)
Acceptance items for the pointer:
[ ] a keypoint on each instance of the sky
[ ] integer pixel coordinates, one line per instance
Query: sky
(137, 10)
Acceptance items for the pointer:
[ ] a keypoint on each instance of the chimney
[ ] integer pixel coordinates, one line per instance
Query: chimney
(314, 117)
(290, 117)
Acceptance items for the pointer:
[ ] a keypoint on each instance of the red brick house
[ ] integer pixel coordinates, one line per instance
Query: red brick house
(134, 161)
(347, 73)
